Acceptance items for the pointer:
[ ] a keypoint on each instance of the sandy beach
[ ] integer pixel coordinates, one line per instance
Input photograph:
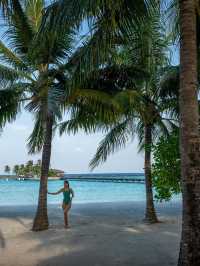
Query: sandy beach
(101, 234)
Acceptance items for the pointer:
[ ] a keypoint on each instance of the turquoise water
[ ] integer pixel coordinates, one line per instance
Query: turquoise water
(15, 192)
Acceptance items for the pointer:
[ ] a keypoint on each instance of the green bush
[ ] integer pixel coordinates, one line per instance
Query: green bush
(166, 170)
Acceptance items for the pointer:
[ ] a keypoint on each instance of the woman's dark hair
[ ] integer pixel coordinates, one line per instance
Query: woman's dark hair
(66, 182)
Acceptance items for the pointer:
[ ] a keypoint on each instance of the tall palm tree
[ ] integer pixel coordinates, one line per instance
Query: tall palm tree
(186, 24)
(30, 67)
(144, 119)
(36, 67)
(139, 112)
(189, 128)
(146, 50)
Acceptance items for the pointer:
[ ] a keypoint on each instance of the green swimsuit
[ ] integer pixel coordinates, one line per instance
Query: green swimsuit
(66, 196)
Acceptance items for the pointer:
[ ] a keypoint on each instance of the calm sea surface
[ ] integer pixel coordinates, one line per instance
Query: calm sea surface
(15, 192)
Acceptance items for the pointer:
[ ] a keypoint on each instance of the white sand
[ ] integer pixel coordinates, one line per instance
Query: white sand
(108, 234)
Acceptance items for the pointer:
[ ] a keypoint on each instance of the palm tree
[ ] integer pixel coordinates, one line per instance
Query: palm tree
(16, 169)
(22, 170)
(139, 112)
(31, 67)
(36, 66)
(7, 169)
(143, 49)
(186, 25)
(29, 168)
(144, 119)
(189, 127)
(37, 168)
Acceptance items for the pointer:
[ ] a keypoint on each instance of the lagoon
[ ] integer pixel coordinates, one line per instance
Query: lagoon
(14, 192)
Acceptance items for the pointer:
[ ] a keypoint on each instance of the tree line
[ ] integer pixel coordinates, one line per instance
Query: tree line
(29, 169)
(117, 79)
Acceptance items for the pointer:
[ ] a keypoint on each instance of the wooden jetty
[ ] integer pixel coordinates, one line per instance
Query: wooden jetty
(105, 179)
(135, 178)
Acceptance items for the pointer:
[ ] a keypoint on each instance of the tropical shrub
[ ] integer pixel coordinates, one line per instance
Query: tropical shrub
(166, 167)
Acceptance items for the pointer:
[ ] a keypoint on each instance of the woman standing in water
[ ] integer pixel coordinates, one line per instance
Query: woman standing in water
(68, 194)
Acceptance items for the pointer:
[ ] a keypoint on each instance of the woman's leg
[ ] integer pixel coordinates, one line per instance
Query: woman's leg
(66, 218)
(66, 209)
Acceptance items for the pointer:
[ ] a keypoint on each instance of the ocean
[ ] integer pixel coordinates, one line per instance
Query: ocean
(15, 192)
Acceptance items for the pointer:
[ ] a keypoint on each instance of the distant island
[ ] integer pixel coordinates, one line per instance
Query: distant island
(31, 170)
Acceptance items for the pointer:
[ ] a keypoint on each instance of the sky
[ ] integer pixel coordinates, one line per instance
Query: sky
(69, 153)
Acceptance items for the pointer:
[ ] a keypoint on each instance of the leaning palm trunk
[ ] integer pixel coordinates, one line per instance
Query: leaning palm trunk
(190, 143)
(41, 218)
(150, 214)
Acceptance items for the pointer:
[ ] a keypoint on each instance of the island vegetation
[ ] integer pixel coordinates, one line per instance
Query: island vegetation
(31, 170)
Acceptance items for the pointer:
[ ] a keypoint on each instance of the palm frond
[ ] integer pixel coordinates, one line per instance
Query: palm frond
(116, 139)
(19, 33)
(36, 139)
(172, 14)
(9, 75)
(90, 110)
(4, 5)
(9, 105)
(34, 11)
(9, 57)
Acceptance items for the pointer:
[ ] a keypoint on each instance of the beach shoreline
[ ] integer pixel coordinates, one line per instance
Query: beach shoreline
(101, 234)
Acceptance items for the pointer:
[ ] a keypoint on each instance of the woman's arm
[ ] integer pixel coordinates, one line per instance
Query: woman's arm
(72, 192)
(56, 193)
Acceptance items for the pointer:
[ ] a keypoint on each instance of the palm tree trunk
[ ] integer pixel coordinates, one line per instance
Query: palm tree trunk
(150, 214)
(190, 144)
(41, 218)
